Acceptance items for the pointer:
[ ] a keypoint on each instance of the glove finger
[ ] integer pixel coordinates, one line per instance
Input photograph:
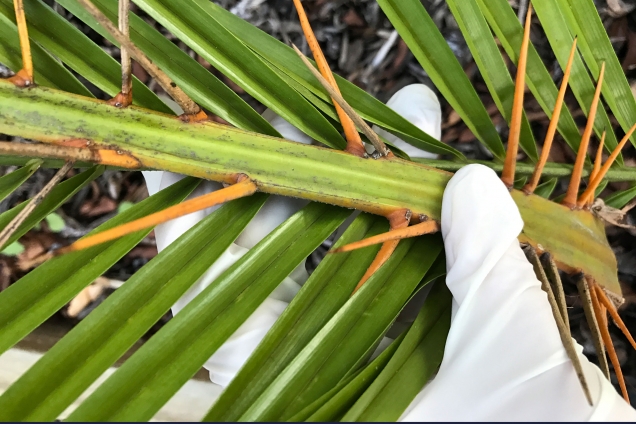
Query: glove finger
(419, 105)
(479, 222)
(503, 359)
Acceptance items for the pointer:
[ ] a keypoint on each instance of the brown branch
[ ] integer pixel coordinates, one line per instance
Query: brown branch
(186, 103)
(593, 324)
(126, 65)
(76, 154)
(15, 223)
(372, 136)
(564, 332)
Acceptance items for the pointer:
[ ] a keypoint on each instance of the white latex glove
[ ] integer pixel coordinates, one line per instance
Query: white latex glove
(227, 360)
(419, 105)
(504, 359)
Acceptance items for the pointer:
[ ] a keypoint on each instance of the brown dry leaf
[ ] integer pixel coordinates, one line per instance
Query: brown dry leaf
(140, 72)
(102, 206)
(35, 243)
(233, 85)
(453, 118)
(466, 136)
(353, 19)
(86, 296)
(146, 252)
(5, 273)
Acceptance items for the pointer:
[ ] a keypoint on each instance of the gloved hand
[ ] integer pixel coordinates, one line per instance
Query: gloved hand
(503, 359)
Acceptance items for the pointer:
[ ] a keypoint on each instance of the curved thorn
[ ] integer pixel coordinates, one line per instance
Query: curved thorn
(606, 166)
(354, 142)
(614, 314)
(508, 173)
(607, 340)
(422, 228)
(554, 122)
(575, 180)
(245, 187)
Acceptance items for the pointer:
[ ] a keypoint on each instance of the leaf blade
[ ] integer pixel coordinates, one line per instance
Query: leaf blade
(431, 50)
(141, 386)
(479, 38)
(43, 291)
(13, 180)
(109, 331)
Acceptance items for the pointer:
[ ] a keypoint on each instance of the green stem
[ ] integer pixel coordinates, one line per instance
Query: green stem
(551, 169)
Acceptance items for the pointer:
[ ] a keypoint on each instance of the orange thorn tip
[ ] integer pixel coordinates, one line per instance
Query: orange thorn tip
(422, 228)
(570, 199)
(606, 166)
(508, 173)
(607, 339)
(244, 187)
(605, 301)
(554, 122)
(354, 141)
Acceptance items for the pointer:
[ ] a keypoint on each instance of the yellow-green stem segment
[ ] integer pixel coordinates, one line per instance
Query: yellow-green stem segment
(576, 239)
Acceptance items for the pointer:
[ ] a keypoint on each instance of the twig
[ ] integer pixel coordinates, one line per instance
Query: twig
(372, 136)
(564, 332)
(76, 154)
(552, 272)
(15, 223)
(186, 103)
(590, 316)
(126, 68)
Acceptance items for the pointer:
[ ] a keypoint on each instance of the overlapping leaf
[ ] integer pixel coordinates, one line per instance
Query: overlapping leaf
(13, 180)
(163, 364)
(109, 331)
(328, 288)
(286, 60)
(199, 83)
(42, 292)
(493, 69)
(342, 344)
(419, 32)
(75, 49)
